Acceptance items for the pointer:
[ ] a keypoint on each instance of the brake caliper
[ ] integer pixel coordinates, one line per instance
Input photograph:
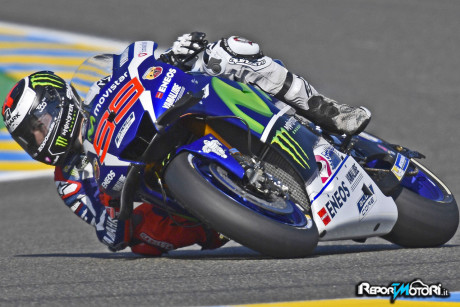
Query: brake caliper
(261, 182)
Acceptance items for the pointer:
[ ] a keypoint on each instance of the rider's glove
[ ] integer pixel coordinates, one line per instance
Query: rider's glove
(188, 44)
(185, 50)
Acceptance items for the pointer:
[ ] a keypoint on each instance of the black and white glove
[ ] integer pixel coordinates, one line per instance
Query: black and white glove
(188, 44)
(185, 50)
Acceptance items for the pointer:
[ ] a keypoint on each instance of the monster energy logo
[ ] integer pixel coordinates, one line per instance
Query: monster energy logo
(44, 79)
(70, 121)
(287, 143)
(60, 141)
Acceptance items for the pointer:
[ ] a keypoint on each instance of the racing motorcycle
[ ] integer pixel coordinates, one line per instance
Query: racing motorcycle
(227, 155)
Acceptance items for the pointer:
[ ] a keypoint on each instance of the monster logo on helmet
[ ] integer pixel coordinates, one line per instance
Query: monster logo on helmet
(46, 79)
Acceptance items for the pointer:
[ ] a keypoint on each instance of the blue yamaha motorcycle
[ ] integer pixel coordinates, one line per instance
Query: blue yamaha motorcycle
(227, 155)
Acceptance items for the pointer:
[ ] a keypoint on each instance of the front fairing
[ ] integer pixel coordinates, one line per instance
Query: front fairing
(129, 92)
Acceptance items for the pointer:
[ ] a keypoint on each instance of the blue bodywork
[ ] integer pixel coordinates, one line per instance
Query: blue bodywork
(164, 91)
(135, 97)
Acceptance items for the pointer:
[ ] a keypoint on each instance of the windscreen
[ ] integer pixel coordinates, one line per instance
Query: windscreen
(92, 70)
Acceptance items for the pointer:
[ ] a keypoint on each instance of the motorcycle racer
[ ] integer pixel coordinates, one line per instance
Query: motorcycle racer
(44, 115)
(242, 60)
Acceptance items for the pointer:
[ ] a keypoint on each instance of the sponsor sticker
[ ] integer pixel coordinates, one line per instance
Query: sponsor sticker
(175, 93)
(400, 166)
(337, 199)
(290, 124)
(111, 227)
(287, 143)
(215, 147)
(41, 107)
(165, 83)
(69, 121)
(242, 61)
(109, 91)
(61, 141)
(143, 50)
(152, 73)
(119, 184)
(10, 119)
(324, 216)
(366, 202)
(124, 57)
(354, 176)
(161, 244)
(124, 128)
(329, 154)
(108, 179)
(325, 171)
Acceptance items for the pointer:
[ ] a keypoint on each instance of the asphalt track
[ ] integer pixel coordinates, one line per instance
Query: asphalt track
(400, 59)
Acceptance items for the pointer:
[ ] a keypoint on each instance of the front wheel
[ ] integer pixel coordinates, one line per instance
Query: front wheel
(270, 227)
(427, 212)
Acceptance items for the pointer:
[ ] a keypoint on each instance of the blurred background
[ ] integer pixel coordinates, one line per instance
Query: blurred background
(398, 58)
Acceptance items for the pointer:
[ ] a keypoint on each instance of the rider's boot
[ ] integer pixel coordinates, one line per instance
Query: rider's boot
(336, 118)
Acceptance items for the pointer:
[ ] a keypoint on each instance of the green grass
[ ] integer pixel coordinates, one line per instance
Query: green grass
(6, 83)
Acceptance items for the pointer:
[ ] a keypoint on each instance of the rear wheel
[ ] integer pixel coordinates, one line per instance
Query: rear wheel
(276, 227)
(427, 212)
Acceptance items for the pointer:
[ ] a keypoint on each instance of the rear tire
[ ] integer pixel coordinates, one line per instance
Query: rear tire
(423, 222)
(227, 216)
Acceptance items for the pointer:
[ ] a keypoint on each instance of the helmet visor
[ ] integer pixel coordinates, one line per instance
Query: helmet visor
(33, 133)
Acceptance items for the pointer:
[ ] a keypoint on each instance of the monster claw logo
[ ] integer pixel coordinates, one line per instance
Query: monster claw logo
(289, 145)
(44, 79)
(60, 141)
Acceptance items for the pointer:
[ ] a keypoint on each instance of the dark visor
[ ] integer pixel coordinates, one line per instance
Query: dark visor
(37, 126)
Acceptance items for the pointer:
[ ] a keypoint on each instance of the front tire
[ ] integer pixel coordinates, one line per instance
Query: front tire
(224, 214)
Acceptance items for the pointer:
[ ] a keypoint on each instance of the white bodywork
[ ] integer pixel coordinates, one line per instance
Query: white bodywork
(346, 202)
